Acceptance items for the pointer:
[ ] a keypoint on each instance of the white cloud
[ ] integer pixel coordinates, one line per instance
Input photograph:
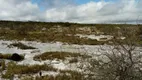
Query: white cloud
(75, 13)
(120, 11)
(18, 10)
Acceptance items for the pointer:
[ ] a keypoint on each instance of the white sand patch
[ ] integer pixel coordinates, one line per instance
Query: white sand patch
(96, 37)
(48, 47)
(50, 73)
(46, 73)
(80, 66)
(60, 66)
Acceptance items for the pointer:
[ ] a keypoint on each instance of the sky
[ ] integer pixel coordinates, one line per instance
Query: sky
(78, 11)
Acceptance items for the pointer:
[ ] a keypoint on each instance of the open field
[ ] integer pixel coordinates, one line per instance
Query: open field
(62, 32)
(70, 51)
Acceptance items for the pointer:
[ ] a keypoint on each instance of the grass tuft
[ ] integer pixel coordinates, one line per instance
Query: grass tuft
(5, 56)
(9, 56)
(64, 75)
(21, 46)
(24, 69)
(57, 55)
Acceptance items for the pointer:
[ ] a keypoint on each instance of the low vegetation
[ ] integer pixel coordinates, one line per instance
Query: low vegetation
(57, 31)
(120, 63)
(11, 57)
(64, 75)
(21, 46)
(58, 55)
(13, 69)
(2, 65)
(5, 56)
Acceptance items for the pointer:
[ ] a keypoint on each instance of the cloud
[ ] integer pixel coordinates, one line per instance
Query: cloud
(127, 11)
(119, 11)
(47, 4)
(18, 10)
(74, 13)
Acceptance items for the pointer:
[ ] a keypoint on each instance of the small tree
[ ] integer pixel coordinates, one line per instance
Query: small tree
(123, 61)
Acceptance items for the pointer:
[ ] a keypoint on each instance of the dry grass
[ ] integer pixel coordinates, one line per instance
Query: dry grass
(12, 69)
(5, 56)
(64, 75)
(8, 56)
(57, 55)
(33, 31)
(73, 60)
(21, 46)
(2, 65)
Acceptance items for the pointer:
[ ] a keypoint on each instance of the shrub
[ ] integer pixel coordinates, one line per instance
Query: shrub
(14, 57)
(64, 75)
(57, 55)
(5, 56)
(3, 65)
(74, 60)
(23, 69)
(21, 46)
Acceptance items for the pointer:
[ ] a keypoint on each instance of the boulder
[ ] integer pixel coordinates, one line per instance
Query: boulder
(16, 57)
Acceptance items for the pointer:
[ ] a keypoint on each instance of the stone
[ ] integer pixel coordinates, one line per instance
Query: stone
(16, 57)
